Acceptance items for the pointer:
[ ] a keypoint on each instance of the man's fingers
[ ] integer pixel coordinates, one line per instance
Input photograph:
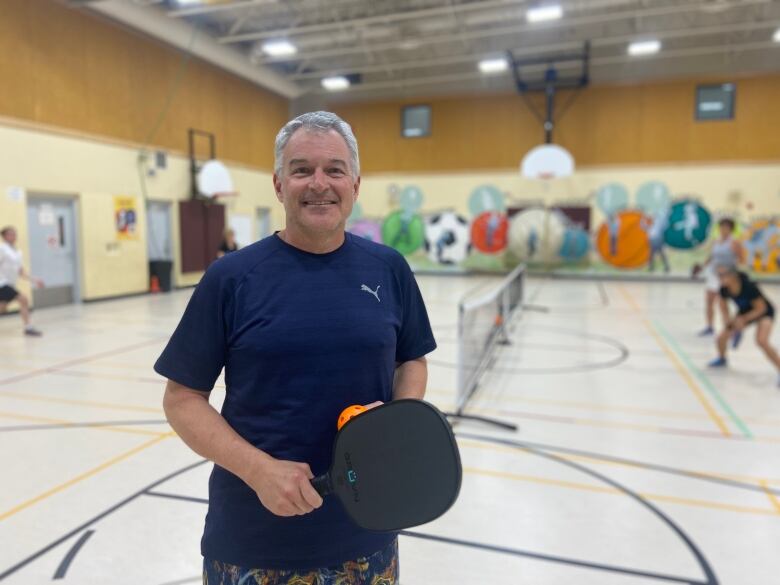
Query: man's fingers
(310, 495)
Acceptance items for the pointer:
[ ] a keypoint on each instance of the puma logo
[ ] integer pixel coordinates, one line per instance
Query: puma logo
(373, 292)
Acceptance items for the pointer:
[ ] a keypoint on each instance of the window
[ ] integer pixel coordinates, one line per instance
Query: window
(415, 121)
(715, 102)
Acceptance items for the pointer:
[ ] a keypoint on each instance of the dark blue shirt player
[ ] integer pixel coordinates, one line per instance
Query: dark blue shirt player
(305, 322)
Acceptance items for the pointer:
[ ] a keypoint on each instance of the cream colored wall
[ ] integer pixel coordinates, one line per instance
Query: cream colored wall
(48, 161)
(722, 188)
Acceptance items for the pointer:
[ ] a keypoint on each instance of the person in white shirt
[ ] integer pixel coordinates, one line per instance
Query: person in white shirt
(10, 270)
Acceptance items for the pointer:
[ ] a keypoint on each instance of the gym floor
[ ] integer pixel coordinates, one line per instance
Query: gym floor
(632, 462)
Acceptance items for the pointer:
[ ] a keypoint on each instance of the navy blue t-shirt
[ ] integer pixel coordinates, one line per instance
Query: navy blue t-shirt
(301, 336)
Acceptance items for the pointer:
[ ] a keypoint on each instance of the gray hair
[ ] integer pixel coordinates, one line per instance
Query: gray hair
(317, 122)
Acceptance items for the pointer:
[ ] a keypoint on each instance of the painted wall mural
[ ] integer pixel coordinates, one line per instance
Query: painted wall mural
(650, 230)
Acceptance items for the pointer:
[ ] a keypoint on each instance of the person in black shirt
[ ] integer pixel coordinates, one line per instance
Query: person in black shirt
(752, 307)
(228, 244)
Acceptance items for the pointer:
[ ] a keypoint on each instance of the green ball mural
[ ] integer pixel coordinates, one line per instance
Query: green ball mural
(404, 232)
(689, 225)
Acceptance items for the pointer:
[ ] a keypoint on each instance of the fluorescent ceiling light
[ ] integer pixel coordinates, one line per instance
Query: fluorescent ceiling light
(336, 83)
(493, 65)
(544, 13)
(279, 48)
(644, 48)
(776, 37)
(187, 2)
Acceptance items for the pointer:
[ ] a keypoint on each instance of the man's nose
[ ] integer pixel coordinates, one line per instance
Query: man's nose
(319, 181)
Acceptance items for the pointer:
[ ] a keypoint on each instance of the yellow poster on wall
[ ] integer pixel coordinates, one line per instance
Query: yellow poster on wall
(125, 218)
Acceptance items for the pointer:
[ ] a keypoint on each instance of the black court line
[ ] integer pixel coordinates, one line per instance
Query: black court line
(602, 293)
(623, 355)
(551, 558)
(83, 425)
(701, 560)
(68, 559)
(644, 465)
(500, 549)
(177, 497)
(39, 553)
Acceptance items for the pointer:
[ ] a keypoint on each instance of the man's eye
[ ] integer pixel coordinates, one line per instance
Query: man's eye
(300, 171)
(336, 171)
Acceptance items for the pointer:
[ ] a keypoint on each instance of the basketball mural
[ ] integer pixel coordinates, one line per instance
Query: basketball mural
(646, 228)
(621, 240)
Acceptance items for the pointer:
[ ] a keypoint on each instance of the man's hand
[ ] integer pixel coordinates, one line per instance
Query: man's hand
(283, 487)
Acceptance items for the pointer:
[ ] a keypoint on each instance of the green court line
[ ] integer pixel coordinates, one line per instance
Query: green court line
(705, 382)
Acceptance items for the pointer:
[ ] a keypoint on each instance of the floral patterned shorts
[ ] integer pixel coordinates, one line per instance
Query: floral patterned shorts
(380, 568)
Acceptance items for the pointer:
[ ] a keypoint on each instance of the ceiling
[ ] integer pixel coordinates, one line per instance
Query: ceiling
(408, 48)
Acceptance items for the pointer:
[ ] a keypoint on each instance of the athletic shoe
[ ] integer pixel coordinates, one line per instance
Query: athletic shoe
(706, 331)
(717, 363)
(736, 339)
(32, 332)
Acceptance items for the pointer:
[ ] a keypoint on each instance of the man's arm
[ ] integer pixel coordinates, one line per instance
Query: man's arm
(410, 379)
(282, 486)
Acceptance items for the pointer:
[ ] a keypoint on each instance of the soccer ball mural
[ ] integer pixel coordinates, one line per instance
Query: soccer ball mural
(447, 238)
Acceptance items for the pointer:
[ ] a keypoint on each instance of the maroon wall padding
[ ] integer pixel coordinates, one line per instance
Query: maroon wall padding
(578, 215)
(201, 227)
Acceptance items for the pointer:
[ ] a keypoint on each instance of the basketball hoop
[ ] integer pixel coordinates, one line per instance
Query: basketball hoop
(546, 162)
(214, 179)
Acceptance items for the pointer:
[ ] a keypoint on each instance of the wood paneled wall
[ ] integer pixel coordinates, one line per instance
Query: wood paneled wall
(67, 68)
(639, 124)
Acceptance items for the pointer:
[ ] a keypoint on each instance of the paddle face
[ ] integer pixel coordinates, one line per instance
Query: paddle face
(396, 466)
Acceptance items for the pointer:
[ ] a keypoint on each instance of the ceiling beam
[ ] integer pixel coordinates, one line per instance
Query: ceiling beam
(222, 7)
(507, 30)
(538, 49)
(601, 61)
(368, 20)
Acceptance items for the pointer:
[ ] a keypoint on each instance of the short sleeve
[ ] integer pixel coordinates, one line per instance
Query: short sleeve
(415, 338)
(197, 350)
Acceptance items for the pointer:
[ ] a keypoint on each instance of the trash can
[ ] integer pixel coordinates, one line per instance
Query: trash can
(162, 270)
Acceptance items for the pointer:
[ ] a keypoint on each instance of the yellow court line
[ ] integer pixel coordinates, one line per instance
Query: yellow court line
(586, 459)
(772, 497)
(114, 429)
(714, 416)
(83, 476)
(614, 491)
(74, 402)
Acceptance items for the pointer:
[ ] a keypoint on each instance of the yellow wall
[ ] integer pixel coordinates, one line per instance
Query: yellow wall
(64, 67)
(638, 124)
(45, 162)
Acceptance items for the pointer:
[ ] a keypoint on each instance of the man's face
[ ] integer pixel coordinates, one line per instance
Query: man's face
(10, 236)
(725, 230)
(316, 184)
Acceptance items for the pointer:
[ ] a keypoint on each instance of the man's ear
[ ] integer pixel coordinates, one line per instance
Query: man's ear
(357, 190)
(278, 187)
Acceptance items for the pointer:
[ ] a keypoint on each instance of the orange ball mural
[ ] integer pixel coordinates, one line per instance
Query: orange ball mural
(621, 240)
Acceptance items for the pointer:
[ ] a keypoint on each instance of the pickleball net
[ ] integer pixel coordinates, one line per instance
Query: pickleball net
(484, 322)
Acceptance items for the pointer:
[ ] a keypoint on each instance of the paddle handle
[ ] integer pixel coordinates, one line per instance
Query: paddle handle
(322, 484)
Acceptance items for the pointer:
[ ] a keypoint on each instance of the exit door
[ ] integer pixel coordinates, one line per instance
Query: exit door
(51, 225)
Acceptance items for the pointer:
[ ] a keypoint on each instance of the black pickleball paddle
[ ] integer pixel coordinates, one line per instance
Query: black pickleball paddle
(394, 466)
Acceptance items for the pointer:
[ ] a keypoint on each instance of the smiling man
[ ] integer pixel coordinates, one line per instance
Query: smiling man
(305, 322)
